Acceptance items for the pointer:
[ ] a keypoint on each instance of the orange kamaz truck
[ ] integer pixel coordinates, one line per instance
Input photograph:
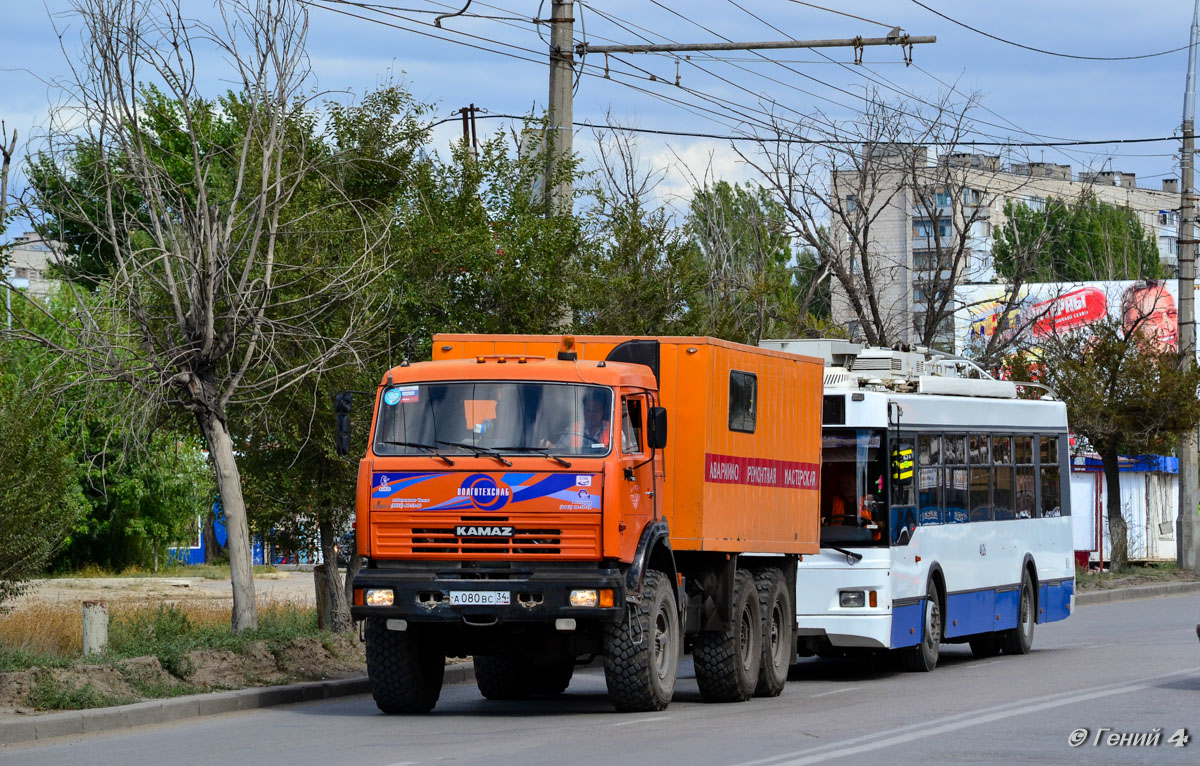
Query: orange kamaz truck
(534, 502)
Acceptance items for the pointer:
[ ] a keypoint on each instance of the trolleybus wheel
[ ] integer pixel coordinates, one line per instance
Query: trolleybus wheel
(1019, 640)
(923, 657)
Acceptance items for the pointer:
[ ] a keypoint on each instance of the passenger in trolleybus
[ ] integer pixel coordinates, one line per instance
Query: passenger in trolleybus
(852, 489)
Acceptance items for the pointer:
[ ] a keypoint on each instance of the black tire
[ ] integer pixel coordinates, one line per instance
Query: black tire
(553, 679)
(641, 652)
(985, 645)
(1019, 640)
(727, 663)
(405, 673)
(503, 678)
(923, 657)
(778, 642)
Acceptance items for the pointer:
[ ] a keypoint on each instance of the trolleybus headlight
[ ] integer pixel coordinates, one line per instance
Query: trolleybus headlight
(380, 597)
(584, 597)
(852, 598)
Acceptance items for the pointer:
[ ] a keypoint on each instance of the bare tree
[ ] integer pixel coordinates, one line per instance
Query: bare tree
(208, 308)
(6, 155)
(897, 226)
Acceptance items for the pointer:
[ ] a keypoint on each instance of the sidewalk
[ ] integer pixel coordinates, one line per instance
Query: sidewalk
(23, 729)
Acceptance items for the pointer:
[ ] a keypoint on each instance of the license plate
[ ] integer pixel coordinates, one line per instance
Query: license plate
(480, 597)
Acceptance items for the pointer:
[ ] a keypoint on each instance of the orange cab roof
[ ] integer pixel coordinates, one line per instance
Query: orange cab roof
(506, 367)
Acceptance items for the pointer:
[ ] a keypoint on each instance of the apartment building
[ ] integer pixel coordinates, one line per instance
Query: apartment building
(959, 205)
(29, 264)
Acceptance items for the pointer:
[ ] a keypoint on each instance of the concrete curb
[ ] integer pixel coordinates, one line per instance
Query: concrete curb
(1136, 591)
(74, 722)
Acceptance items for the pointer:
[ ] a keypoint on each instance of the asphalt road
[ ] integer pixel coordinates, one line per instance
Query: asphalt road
(1127, 667)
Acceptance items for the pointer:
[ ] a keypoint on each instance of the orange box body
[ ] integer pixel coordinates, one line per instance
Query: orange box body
(719, 489)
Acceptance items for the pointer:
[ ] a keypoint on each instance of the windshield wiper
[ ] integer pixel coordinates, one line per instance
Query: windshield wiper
(418, 445)
(477, 450)
(540, 450)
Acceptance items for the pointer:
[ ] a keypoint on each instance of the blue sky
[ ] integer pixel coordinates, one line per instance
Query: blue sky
(1023, 92)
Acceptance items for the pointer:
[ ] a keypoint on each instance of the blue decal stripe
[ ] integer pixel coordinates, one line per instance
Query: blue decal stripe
(547, 486)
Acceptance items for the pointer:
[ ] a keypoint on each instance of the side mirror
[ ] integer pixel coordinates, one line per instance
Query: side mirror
(657, 426)
(341, 407)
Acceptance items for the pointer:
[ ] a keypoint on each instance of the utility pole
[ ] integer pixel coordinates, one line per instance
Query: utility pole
(560, 114)
(470, 135)
(1187, 523)
(562, 77)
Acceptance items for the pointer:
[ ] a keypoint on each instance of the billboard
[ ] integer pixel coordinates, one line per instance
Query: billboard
(1049, 308)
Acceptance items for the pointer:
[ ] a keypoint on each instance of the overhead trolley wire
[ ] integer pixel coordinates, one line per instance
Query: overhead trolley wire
(1042, 50)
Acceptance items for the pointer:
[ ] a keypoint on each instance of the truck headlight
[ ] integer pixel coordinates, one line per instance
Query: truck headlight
(380, 597)
(852, 598)
(585, 597)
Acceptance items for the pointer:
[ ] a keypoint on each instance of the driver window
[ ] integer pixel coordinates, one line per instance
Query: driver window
(631, 425)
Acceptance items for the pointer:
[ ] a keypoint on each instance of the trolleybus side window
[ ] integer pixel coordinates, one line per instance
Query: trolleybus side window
(1025, 504)
(981, 478)
(954, 478)
(1048, 465)
(1002, 476)
(929, 478)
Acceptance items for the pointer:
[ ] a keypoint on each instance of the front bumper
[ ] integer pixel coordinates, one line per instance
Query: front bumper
(536, 596)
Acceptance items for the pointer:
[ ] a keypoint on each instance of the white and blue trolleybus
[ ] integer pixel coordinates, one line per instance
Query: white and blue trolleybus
(945, 509)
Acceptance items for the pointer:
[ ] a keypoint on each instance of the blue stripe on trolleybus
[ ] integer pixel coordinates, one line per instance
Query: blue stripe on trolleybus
(980, 611)
(907, 625)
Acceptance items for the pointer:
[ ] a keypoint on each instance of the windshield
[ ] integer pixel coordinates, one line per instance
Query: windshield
(852, 488)
(513, 418)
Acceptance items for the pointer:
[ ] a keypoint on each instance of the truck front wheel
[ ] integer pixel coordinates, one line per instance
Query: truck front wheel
(405, 673)
(641, 652)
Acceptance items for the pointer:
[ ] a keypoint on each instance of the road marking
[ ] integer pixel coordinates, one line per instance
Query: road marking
(1095, 646)
(985, 664)
(644, 720)
(835, 691)
(965, 720)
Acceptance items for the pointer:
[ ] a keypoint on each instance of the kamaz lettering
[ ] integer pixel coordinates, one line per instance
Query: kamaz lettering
(493, 531)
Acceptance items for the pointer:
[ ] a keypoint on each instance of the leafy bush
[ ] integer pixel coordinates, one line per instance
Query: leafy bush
(40, 497)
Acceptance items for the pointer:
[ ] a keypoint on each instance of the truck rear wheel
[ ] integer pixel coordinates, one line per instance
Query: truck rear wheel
(503, 678)
(553, 679)
(405, 673)
(778, 643)
(727, 663)
(641, 652)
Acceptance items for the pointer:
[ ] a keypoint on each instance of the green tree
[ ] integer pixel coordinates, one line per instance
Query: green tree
(39, 496)
(1125, 396)
(642, 276)
(1074, 242)
(752, 290)
(143, 495)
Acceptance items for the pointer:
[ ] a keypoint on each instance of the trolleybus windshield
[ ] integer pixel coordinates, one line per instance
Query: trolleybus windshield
(853, 486)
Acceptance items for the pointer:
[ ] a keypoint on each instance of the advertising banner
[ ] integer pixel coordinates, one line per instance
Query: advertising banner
(1045, 309)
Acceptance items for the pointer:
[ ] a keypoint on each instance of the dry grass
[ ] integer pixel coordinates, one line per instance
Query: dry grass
(55, 629)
